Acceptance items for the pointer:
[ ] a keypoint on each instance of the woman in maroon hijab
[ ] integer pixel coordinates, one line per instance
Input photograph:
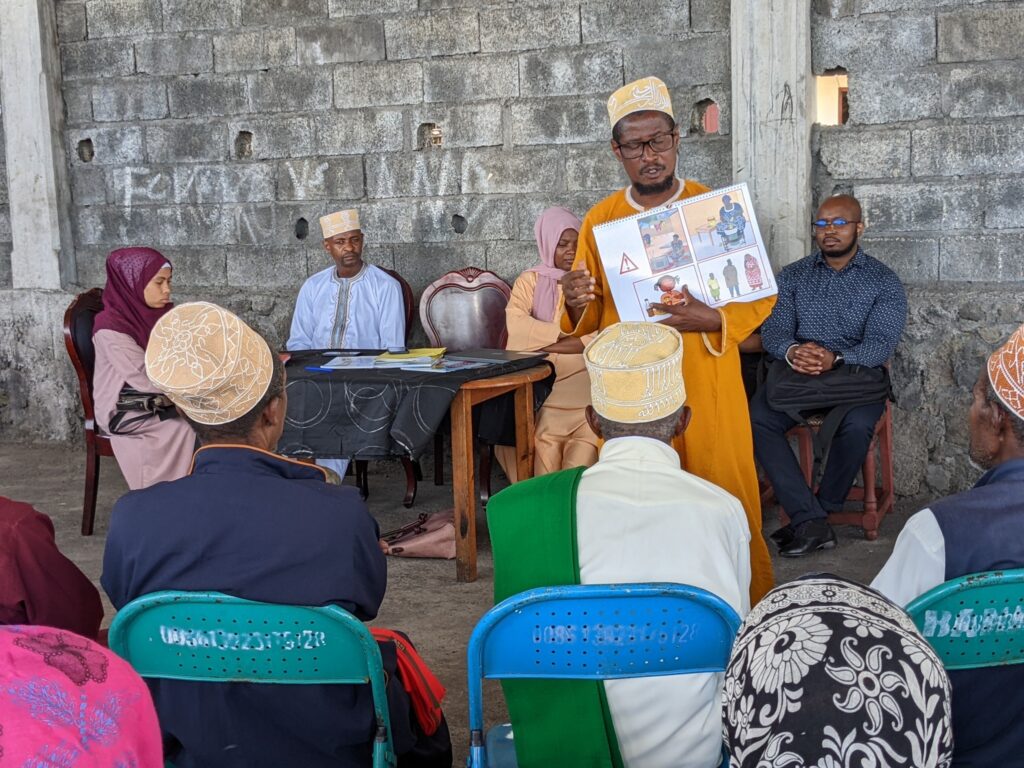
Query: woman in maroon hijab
(150, 447)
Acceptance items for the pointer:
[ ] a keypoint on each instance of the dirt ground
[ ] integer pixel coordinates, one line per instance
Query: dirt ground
(423, 597)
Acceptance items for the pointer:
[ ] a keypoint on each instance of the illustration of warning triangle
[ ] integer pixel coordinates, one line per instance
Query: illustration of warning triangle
(627, 265)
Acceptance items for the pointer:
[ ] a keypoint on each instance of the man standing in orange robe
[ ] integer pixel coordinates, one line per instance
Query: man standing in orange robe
(718, 445)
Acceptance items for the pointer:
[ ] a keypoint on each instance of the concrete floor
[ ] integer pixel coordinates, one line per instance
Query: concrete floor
(423, 597)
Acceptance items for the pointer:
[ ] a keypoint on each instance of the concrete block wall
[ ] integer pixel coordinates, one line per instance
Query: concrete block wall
(5, 215)
(934, 149)
(208, 130)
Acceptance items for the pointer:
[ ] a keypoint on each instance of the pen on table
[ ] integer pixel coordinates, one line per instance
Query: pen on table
(319, 369)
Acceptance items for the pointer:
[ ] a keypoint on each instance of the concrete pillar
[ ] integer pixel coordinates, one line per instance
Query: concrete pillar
(772, 115)
(33, 122)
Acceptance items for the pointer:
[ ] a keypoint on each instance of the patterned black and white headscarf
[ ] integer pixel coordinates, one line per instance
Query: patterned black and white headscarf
(826, 673)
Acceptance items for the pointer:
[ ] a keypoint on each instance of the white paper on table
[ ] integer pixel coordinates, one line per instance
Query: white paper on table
(649, 256)
(362, 361)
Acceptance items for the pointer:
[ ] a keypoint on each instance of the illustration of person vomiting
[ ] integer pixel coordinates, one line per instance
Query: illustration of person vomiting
(667, 285)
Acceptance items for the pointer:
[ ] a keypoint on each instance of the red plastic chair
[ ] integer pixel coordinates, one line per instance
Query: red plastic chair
(413, 472)
(877, 492)
(465, 309)
(78, 322)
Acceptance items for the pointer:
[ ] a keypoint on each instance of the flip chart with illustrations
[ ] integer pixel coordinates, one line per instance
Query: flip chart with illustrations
(709, 243)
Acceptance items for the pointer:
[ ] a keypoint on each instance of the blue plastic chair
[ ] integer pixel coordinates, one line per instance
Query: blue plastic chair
(209, 636)
(974, 621)
(592, 632)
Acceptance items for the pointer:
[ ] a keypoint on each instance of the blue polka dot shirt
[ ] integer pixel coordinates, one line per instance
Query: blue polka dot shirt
(858, 311)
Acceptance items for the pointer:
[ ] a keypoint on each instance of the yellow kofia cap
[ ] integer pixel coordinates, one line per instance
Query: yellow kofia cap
(211, 365)
(340, 221)
(639, 96)
(636, 372)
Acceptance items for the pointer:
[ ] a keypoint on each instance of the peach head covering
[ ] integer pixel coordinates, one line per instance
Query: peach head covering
(1006, 372)
(548, 229)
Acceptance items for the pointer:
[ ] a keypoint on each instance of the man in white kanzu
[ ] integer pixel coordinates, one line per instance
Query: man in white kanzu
(349, 305)
(635, 516)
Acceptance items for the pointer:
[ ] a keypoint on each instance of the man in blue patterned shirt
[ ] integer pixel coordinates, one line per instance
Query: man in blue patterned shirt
(837, 306)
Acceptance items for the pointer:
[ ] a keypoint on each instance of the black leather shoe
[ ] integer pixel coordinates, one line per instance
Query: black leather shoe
(809, 537)
(783, 535)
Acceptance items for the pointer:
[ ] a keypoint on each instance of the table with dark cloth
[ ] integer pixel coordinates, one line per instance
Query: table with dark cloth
(369, 413)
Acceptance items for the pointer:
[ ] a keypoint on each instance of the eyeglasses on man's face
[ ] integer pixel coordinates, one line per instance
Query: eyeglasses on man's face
(837, 222)
(631, 150)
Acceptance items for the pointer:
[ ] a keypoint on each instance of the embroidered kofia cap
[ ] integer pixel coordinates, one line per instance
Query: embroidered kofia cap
(1006, 372)
(340, 221)
(639, 96)
(211, 365)
(636, 372)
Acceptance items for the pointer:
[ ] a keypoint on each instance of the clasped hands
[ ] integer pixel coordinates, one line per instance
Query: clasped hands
(810, 358)
(690, 314)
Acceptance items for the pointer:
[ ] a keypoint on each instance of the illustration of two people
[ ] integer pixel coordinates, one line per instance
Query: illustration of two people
(752, 272)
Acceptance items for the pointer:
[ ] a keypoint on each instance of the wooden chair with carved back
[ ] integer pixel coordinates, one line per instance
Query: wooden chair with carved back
(465, 309)
(413, 472)
(78, 323)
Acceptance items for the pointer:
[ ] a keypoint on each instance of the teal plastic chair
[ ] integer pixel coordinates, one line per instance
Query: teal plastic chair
(592, 632)
(209, 636)
(974, 621)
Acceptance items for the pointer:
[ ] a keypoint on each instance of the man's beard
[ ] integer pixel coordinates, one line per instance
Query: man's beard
(655, 189)
(977, 459)
(852, 250)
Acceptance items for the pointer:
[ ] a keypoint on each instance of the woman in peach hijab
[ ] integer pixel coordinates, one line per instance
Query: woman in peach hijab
(563, 437)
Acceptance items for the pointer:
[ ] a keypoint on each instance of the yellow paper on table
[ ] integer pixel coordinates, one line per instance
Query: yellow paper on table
(412, 354)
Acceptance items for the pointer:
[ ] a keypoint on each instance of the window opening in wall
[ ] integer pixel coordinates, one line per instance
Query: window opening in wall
(704, 119)
(833, 98)
(243, 144)
(85, 151)
(429, 135)
(301, 229)
(459, 223)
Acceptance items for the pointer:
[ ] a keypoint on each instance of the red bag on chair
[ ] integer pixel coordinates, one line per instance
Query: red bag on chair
(424, 689)
(430, 535)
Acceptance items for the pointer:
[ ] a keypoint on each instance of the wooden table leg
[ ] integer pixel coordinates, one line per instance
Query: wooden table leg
(463, 487)
(524, 430)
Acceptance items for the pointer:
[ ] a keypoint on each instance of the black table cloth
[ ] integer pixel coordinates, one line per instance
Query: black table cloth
(369, 413)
